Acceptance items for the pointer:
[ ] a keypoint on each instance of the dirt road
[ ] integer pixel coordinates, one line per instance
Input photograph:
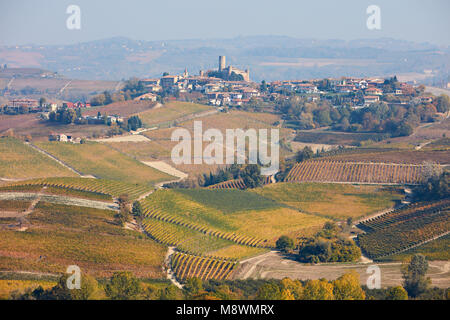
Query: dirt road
(70, 201)
(274, 265)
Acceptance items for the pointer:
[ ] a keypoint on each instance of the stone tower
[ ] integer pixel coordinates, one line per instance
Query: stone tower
(222, 63)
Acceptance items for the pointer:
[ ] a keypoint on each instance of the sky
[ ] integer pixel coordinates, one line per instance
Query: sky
(44, 21)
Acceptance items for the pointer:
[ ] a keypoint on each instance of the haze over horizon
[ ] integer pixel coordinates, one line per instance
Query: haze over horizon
(44, 22)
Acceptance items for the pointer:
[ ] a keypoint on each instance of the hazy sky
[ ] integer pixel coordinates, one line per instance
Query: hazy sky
(44, 21)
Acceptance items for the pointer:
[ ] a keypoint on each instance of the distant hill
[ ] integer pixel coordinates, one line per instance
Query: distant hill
(267, 57)
(26, 73)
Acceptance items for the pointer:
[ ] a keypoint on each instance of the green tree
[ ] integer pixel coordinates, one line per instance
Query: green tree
(284, 244)
(269, 291)
(137, 209)
(134, 123)
(251, 175)
(171, 293)
(123, 286)
(396, 293)
(122, 217)
(193, 287)
(42, 101)
(443, 103)
(304, 154)
(414, 276)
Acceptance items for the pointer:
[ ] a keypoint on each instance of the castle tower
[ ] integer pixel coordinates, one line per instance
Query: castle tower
(222, 63)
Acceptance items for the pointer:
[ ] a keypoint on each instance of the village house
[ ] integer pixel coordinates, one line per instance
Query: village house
(368, 100)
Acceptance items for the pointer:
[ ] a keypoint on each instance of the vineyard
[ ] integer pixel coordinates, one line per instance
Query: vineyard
(186, 240)
(242, 217)
(236, 184)
(354, 172)
(230, 184)
(100, 186)
(151, 211)
(188, 266)
(194, 242)
(404, 228)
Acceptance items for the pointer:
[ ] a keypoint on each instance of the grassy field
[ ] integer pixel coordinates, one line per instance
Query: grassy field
(10, 285)
(229, 201)
(334, 201)
(19, 161)
(122, 108)
(338, 138)
(103, 162)
(170, 112)
(212, 214)
(64, 235)
(238, 120)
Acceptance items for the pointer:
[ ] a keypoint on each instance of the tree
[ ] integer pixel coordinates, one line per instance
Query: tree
(123, 286)
(122, 217)
(443, 103)
(171, 293)
(318, 290)
(269, 291)
(251, 176)
(134, 123)
(349, 221)
(347, 287)
(123, 200)
(414, 276)
(436, 185)
(294, 287)
(193, 287)
(137, 209)
(396, 293)
(284, 244)
(42, 101)
(98, 100)
(304, 154)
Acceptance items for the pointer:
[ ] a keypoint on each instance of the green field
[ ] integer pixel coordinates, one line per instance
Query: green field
(19, 161)
(61, 235)
(333, 201)
(103, 162)
(229, 201)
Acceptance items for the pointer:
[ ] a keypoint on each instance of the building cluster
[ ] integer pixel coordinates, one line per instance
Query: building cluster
(216, 89)
(17, 106)
(364, 91)
(215, 85)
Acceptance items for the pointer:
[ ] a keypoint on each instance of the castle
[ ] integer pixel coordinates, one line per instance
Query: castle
(229, 70)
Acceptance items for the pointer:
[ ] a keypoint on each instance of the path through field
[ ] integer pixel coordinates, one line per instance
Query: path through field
(57, 199)
(125, 138)
(54, 158)
(169, 271)
(166, 168)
